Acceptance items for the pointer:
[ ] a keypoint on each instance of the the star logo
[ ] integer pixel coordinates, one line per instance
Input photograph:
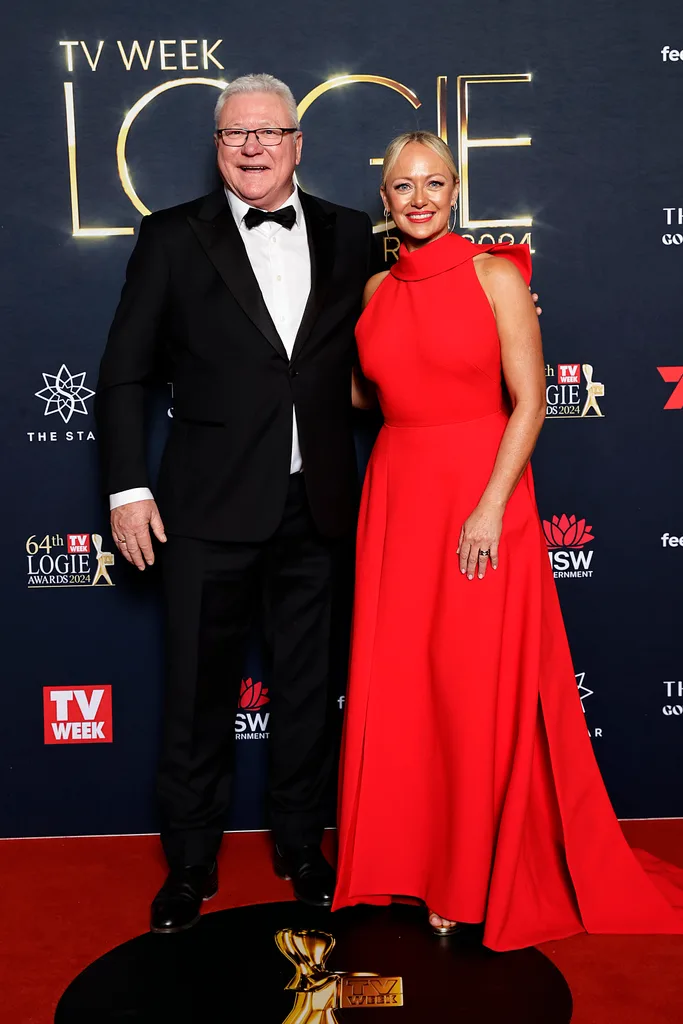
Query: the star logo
(584, 692)
(65, 393)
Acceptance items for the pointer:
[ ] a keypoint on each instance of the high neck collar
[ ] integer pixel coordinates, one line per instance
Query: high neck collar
(450, 251)
(433, 258)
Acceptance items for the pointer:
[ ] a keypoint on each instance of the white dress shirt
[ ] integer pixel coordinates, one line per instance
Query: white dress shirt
(281, 262)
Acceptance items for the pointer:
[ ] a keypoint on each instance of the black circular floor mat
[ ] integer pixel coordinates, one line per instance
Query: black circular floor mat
(284, 963)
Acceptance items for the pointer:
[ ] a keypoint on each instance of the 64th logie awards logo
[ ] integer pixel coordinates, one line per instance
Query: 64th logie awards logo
(77, 561)
(564, 392)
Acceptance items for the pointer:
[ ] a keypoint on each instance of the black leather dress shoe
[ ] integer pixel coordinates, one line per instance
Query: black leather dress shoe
(177, 904)
(306, 868)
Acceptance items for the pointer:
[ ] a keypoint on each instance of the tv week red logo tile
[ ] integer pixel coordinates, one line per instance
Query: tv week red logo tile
(77, 715)
(78, 543)
(569, 373)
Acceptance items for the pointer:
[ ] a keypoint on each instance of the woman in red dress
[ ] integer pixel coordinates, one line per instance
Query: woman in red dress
(468, 777)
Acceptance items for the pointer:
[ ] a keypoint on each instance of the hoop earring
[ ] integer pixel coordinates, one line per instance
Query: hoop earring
(454, 211)
(386, 219)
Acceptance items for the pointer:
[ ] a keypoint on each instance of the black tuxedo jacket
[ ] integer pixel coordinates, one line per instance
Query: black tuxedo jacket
(191, 299)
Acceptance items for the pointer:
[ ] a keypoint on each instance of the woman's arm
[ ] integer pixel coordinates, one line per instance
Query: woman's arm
(524, 373)
(363, 393)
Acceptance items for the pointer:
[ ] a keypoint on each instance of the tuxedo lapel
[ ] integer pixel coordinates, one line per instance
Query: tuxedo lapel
(219, 236)
(321, 236)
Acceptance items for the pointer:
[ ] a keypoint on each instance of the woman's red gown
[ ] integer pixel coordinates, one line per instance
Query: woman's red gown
(468, 776)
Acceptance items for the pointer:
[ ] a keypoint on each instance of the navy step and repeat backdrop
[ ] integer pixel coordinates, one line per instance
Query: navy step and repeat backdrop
(566, 123)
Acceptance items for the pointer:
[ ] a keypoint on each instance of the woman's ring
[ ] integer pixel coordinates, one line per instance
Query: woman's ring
(484, 554)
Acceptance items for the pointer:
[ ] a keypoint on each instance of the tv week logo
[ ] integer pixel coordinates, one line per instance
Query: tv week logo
(569, 373)
(77, 715)
(566, 537)
(78, 543)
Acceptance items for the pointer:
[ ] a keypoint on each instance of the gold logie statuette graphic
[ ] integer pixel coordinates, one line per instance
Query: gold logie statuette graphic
(320, 992)
(594, 389)
(104, 558)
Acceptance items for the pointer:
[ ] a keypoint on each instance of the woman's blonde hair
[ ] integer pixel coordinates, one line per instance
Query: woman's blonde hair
(428, 139)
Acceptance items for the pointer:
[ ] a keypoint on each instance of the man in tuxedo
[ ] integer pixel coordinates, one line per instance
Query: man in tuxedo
(251, 295)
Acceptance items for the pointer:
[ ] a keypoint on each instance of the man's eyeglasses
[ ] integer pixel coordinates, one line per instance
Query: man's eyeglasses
(239, 137)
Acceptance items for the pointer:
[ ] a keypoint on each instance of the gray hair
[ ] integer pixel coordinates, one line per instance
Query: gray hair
(259, 83)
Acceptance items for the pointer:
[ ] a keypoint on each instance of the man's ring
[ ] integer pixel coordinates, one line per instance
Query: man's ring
(484, 554)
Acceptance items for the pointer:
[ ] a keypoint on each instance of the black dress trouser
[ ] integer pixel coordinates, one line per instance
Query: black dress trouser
(212, 591)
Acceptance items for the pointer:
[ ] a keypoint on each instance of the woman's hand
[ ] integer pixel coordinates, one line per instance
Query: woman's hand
(481, 533)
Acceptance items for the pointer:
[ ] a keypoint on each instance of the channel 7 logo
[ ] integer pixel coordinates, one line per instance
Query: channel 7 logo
(673, 375)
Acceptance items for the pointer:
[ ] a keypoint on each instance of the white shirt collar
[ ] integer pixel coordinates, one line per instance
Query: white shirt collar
(240, 209)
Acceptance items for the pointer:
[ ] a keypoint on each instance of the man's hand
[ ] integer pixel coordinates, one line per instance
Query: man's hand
(534, 297)
(130, 529)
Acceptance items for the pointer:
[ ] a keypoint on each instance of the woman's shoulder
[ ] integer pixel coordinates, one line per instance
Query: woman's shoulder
(504, 263)
(499, 277)
(493, 265)
(373, 284)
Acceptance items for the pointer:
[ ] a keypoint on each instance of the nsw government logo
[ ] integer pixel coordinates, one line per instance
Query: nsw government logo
(65, 396)
(76, 560)
(74, 715)
(571, 391)
(566, 537)
(250, 723)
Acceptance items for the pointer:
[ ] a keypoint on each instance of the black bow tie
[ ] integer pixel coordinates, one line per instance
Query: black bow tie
(286, 217)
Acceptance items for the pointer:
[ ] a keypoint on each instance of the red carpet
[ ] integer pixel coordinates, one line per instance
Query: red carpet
(67, 901)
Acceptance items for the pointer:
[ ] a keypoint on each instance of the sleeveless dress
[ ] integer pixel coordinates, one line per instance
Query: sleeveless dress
(468, 778)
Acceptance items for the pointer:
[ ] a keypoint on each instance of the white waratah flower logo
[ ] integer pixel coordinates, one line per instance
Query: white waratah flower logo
(65, 393)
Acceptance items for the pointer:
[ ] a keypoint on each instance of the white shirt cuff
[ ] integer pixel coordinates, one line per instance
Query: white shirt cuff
(132, 494)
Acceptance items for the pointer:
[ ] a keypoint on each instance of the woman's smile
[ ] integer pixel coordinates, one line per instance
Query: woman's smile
(420, 216)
